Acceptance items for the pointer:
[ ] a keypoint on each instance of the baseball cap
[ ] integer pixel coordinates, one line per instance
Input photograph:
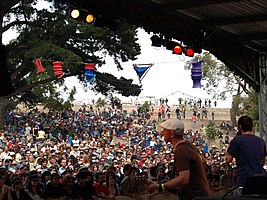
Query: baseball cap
(172, 124)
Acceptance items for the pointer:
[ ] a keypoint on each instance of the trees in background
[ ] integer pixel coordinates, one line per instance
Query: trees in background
(50, 35)
(221, 83)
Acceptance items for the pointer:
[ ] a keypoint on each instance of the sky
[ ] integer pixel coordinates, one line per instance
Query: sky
(165, 79)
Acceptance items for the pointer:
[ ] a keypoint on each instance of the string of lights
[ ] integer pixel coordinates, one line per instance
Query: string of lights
(109, 63)
(177, 91)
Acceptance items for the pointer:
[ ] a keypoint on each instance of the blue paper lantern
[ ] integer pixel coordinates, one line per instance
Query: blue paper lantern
(141, 70)
(196, 74)
(89, 72)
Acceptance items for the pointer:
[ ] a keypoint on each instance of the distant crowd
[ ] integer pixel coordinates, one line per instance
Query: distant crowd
(94, 153)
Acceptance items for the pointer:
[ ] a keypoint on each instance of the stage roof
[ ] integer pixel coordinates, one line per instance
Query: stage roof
(235, 31)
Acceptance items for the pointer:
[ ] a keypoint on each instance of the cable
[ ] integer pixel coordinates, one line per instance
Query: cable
(230, 191)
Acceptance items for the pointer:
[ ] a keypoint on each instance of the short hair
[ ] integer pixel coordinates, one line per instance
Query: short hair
(246, 123)
(133, 169)
(98, 174)
(179, 133)
(127, 167)
(55, 175)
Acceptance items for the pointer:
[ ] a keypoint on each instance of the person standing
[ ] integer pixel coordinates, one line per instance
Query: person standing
(194, 120)
(188, 164)
(248, 150)
(212, 115)
(183, 111)
(168, 112)
(178, 115)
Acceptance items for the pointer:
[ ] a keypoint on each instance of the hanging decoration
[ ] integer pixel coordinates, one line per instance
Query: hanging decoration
(58, 69)
(141, 70)
(38, 65)
(89, 72)
(196, 74)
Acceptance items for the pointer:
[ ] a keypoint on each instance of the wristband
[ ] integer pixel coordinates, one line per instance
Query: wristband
(163, 187)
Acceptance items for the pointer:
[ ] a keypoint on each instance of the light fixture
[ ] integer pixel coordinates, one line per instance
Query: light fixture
(90, 18)
(178, 49)
(75, 13)
(189, 51)
(175, 47)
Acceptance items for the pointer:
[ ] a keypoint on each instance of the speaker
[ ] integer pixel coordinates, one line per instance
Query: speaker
(255, 186)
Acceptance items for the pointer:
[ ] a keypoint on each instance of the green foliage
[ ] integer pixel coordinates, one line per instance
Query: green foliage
(108, 84)
(67, 105)
(100, 102)
(50, 35)
(212, 132)
(54, 104)
(145, 106)
(249, 106)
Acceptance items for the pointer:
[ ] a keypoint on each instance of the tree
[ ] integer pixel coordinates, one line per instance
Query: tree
(145, 107)
(100, 102)
(212, 132)
(221, 82)
(50, 35)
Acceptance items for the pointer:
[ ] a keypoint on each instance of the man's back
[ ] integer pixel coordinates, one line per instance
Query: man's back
(187, 158)
(249, 151)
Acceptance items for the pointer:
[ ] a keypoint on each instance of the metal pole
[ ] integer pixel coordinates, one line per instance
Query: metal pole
(263, 98)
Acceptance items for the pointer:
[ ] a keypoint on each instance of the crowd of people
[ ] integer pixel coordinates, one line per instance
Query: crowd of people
(72, 155)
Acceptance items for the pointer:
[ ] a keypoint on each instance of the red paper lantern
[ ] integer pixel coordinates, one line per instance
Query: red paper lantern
(58, 69)
(90, 66)
(38, 65)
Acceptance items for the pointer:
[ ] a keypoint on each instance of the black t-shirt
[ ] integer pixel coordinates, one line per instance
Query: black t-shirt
(249, 151)
(52, 191)
(23, 195)
(74, 193)
(214, 180)
(86, 192)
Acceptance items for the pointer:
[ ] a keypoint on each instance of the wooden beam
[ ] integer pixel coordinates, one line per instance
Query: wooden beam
(234, 20)
(186, 4)
(252, 36)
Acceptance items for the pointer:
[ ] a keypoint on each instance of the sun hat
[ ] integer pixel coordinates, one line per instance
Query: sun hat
(172, 124)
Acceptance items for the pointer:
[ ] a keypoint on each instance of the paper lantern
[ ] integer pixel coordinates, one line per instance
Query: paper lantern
(89, 72)
(196, 74)
(58, 69)
(141, 70)
(38, 65)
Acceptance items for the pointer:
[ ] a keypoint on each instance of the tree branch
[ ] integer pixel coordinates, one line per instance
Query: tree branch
(8, 26)
(19, 73)
(29, 87)
(7, 5)
(243, 87)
